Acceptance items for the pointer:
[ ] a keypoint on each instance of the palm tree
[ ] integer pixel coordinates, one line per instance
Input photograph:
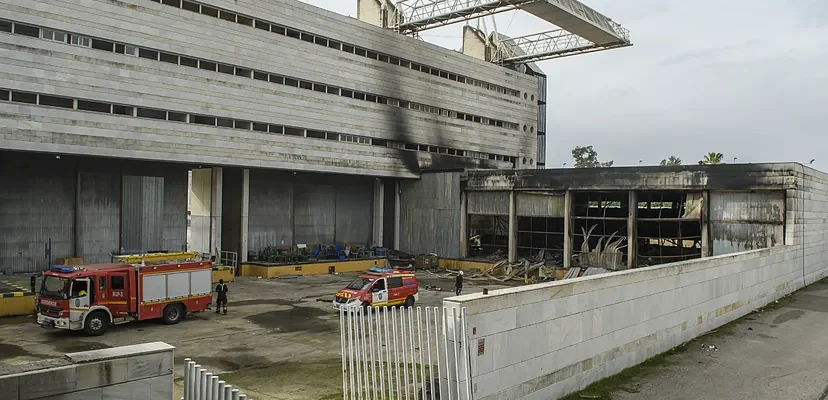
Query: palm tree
(673, 160)
(713, 158)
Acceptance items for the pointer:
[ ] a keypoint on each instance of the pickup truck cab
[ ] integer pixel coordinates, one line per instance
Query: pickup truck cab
(379, 288)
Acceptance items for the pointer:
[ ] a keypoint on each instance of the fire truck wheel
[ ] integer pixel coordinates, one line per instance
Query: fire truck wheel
(173, 313)
(96, 323)
(409, 302)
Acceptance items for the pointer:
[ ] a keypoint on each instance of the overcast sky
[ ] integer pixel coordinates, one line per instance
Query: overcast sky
(747, 78)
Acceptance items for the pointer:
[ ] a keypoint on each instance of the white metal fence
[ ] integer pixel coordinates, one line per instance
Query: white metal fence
(405, 353)
(199, 384)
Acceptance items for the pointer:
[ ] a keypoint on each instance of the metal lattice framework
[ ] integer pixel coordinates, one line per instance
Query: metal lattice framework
(552, 44)
(416, 15)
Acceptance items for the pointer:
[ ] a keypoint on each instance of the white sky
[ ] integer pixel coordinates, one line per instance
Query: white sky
(747, 78)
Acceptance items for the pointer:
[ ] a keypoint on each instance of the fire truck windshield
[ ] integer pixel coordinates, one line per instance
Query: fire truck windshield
(360, 283)
(55, 287)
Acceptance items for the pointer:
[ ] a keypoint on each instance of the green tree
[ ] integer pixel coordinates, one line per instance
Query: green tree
(673, 160)
(713, 158)
(587, 157)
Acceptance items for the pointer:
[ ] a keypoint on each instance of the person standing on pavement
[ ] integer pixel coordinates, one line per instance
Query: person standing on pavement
(32, 281)
(458, 283)
(221, 297)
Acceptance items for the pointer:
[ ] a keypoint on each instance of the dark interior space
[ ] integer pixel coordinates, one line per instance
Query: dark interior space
(488, 235)
(540, 233)
(669, 227)
(599, 229)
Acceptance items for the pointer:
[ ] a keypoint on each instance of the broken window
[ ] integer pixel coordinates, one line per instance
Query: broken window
(599, 228)
(488, 235)
(669, 227)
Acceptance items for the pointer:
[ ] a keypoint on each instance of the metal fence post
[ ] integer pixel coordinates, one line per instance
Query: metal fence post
(208, 390)
(195, 381)
(202, 384)
(235, 394)
(187, 362)
(221, 385)
(228, 392)
(214, 386)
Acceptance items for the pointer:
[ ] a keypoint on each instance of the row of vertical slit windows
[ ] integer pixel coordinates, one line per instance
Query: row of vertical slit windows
(83, 41)
(211, 120)
(322, 41)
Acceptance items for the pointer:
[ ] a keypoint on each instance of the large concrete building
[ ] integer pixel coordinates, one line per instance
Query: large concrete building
(298, 124)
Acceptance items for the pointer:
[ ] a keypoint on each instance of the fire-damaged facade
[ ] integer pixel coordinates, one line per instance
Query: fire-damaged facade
(611, 218)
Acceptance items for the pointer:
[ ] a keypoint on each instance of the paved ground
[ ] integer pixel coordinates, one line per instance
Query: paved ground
(780, 352)
(278, 342)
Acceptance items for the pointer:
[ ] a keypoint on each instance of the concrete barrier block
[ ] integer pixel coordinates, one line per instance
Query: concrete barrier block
(149, 365)
(47, 383)
(89, 394)
(9, 386)
(104, 373)
(153, 388)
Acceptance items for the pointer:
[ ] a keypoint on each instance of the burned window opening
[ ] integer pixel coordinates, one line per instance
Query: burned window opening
(488, 236)
(669, 227)
(541, 233)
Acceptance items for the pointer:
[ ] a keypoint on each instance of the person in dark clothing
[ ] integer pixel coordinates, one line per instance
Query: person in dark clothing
(221, 297)
(32, 281)
(458, 283)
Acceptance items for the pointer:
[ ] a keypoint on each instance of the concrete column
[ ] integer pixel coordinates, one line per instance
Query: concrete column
(464, 224)
(706, 245)
(201, 211)
(397, 214)
(632, 230)
(512, 227)
(567, 258)
(245, 207)
(216, 202)
(379, 211)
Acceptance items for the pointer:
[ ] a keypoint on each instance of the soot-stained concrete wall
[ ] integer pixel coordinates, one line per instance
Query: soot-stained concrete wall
(547, 340)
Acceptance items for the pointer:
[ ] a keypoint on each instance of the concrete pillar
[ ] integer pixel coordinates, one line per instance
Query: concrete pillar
(706, 244)
(632, 230)
(203, 220)
(379, 211)
(464, 224)
(245, 207)
(216, 202)
(512, 227)
(397, 209)
(567, 258)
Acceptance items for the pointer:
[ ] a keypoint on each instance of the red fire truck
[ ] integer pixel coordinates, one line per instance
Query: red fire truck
(93, 297)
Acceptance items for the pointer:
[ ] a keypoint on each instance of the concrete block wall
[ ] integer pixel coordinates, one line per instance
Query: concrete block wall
(545, 341)
(43, 66)
(137, 372)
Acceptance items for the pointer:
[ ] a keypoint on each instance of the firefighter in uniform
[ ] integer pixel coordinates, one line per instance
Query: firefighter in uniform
(221, 297)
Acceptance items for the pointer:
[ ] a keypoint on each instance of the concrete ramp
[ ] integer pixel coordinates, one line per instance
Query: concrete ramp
(577, 18)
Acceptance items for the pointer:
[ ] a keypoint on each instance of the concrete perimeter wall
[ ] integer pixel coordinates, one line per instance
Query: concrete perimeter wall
(545, 341)
(137, 372)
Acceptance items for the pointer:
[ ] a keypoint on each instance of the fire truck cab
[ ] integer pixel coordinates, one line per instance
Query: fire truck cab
(93, 297)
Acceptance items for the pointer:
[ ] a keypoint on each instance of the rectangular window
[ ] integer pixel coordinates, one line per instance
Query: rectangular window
(227, 16)
(360, 52)
(55, 101)
(177, 117)
(394, 102)
(321, 41)
(202, 120)
(102, 283)
(382, 100)
(243, 72)
(148, 54)
(225, 69)
(4, 95)
(291, 82)
(225, 122)
(347, 48)
(190, 6)
(277, 79)
(168, 58)
(346, 93)
(259, 127)
(209, 11)
(150, 113)
(49, 34)
(122, 110)
(117, 282)
(260, 76)
(102, 45)
(394, 60)
(277, 29)
(319, 88)
(380, 142)
(332, 136)
(334, 45)
(383, 58)
(305, 85)
(371, 98)
(333, 90)
(5, 26)
(190, 62)
(435, 72)
(175, 3)
(316, 134)
(443, 74)
(372, 55)
(243, 125)
(359, 96)
(210, 66)
(293, 34)
(241, 19)
(307, 37)
(395, 282)
(262, 25)
(277, 129)
(80, 40)
(26, 30)
(21, 97)
(405, 64)
(294, 131)
(415, 67)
